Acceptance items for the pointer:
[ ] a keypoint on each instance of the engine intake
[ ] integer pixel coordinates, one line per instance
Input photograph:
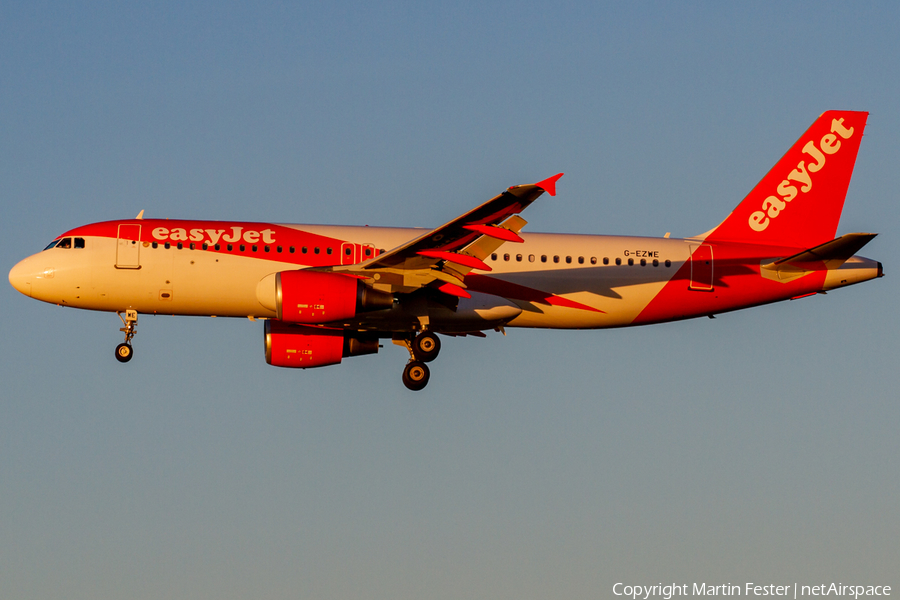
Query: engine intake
(301, 347)
(316, 297)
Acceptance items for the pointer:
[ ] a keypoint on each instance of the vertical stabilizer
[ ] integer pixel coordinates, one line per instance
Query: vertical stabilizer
(799, 202)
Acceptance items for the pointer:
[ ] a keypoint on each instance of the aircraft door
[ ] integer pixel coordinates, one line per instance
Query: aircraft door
(701, 268)
(349, 254)
(128, 247)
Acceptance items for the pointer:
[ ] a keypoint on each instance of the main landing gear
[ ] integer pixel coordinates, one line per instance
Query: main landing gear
(423, 348)
(426, 346)
(124, 351)
(416, 375)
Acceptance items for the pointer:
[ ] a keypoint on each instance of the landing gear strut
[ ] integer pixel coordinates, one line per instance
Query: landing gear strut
(124, 351)
(422, 349)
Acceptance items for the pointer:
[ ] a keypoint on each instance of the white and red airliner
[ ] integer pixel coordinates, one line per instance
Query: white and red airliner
(328, 292)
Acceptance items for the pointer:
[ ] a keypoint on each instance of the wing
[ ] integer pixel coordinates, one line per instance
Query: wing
(443, 257)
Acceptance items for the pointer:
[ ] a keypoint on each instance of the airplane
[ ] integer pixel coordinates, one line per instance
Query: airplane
(329, 292)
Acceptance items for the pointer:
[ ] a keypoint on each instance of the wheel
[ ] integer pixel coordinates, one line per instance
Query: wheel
(415, 375)
(426, 346)
(124, 352)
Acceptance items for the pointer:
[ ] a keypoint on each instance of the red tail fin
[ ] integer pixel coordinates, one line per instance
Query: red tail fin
(799, 202)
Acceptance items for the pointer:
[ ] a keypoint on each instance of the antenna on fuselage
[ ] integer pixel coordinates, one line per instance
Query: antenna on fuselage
(140, 215)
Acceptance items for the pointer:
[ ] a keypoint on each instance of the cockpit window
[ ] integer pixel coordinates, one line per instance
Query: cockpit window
(66, 243)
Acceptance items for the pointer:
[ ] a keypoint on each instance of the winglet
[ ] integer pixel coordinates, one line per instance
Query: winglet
(549, 184)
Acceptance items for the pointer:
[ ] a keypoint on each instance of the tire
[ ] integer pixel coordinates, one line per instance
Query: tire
(124, 352)
(426, 346)
(416, 375)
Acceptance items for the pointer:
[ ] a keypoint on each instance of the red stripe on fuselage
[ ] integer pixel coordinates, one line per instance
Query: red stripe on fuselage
(737, 283)
(272, 242)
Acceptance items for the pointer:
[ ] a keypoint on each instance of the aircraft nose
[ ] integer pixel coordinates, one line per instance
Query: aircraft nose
(20, 277)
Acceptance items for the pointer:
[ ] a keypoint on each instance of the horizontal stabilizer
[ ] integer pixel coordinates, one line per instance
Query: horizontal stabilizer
(827, 256)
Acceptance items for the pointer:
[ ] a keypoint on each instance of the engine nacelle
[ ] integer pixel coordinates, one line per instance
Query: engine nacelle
(301, 347)
(317, 297)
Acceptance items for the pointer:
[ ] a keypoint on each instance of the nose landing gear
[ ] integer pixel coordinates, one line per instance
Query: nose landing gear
(124, 351)
(423, 348)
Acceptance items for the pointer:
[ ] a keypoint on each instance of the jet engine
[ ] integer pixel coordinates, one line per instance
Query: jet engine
(318, 297)
(301, 347)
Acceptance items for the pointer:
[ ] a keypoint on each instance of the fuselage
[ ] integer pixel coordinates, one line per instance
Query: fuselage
(329, 292)
(212, 268)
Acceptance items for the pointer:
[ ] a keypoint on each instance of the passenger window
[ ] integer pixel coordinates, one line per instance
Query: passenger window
(618, 261)
(531, 258)
(291, 249)
(494, 256)
(316, 250)
(278, 249)
(328, 251)
(518, 258)
(543, 258)
(556, 258)
(266, 248)
(605, 260)
(167, 245)
(205, 246)
(304, 250)
(569, 260)
(655, 262)
(254, 247)
(348, 251)
(668, 263)
(368, 252)
(181, 246)
(242, 248)
(593, 260)
(79, 242)
(506, 257)
(630, 262)
(218, 247)
(155, 245)
(580, 260)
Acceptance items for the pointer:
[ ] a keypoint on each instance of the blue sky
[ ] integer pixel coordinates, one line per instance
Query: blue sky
(760, 446)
